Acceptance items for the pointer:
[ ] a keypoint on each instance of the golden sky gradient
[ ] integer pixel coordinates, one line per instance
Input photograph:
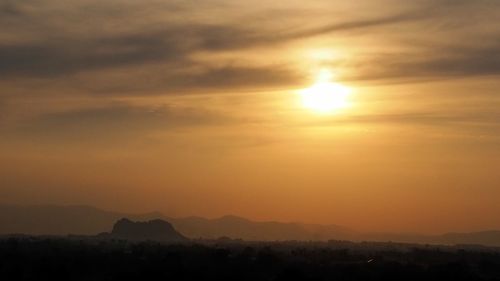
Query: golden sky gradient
(197, 108)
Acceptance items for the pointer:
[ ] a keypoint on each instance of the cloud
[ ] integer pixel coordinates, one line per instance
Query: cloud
(115, 120)
(67, 48)
(63, 58)
(125, 47)
(436, 62)
(359, 24)
(477, 122)
(8, 8)
(3, 109)
(229, 78)
(173, 44)
(164, 59)
(67, 56)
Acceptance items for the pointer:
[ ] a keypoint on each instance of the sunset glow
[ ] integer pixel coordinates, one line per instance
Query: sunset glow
(325, 96)
(376, 115)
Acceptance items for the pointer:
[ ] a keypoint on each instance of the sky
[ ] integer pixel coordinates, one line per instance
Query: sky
(376, 115)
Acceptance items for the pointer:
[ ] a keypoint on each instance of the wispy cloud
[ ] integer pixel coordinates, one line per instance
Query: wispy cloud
(67, 48)
(115, 120)
(167, 47)
(440, 61)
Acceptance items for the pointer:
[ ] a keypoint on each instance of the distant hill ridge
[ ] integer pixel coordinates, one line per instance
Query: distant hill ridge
(85, 220)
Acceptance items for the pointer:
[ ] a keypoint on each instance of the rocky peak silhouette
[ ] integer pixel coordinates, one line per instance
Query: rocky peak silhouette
(157, 230)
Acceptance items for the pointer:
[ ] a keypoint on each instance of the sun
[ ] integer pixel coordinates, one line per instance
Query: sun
(325, 96)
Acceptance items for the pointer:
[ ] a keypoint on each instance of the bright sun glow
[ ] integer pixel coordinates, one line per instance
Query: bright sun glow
(325, 96)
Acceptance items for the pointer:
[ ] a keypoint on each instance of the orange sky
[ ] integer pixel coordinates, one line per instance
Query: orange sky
(196, 108)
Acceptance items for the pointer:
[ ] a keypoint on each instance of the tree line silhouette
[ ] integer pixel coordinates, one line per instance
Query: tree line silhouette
(50, 258)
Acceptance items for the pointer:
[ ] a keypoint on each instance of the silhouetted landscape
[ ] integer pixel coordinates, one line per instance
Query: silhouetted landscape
(44, 258)
(155, 250)
(85, 220)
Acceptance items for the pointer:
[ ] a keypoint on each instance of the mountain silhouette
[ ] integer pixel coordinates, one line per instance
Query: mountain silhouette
(237, 227)
(85, 220)
(156, 230)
